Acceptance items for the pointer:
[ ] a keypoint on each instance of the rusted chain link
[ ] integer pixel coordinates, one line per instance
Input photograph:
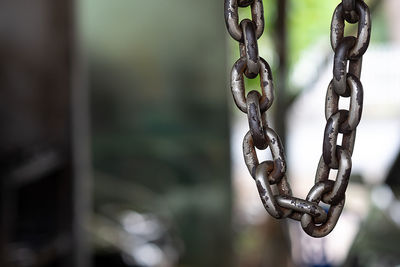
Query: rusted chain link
(249, 49)
(364, 29)
(232, 18)
(245, 3)
(350, 13)
(270, 176)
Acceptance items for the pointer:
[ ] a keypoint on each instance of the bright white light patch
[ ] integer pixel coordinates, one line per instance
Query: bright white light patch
(382, 196)
(148, 255)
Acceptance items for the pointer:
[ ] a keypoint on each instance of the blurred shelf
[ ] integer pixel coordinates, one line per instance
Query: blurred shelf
(38, 166)
(25, 254)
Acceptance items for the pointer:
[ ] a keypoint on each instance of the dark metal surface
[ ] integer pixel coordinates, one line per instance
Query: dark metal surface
(255, 119)
(349, 5)
(340, 65)
(250, 49)
(350, 13)
(245, 3)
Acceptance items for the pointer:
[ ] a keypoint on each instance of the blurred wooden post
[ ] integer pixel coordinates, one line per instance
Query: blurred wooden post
(43, 147)
(282, 50)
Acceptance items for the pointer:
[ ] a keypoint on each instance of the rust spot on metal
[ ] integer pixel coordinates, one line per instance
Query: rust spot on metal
(262, 191)
(253, 172)
(313, 210)
(310, 229)
(278, 170)
(327, 146)
(360, 96)
(347, 172)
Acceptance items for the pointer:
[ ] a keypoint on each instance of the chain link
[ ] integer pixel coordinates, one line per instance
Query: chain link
(238, 88)
(232, 18)
(364, 29)
(350, 14)
(249, 49)
(270, 175)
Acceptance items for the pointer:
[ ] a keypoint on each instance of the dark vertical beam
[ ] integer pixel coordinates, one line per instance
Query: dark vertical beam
(7, 214)
(82, 189)
(283, 103)
(282, 50)
(44, 168)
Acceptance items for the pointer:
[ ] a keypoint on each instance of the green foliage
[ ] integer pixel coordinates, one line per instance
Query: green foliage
(308, 20)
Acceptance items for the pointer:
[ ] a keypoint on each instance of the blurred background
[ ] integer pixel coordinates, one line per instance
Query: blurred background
(120, 143)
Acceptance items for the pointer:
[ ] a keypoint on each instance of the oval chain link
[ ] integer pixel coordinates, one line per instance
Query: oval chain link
(238, 88)
(270, 175)
(232, 18)
(257, 121)
(249, 49)
(350, 13)
(364, 29)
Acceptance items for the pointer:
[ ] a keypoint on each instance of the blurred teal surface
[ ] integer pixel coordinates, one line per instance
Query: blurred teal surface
(159, 116)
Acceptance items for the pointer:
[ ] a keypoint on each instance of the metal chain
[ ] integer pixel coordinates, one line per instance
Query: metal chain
(270, 176)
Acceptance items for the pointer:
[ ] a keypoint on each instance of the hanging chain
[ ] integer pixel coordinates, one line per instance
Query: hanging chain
(270, 175)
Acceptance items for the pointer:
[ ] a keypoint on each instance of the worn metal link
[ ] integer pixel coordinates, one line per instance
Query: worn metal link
(355, 67)
(232, 18)
(331, 134)
(315, 194)
(257, 122)
(356, 103)
(270, 175)
(270, 192)
(249, 49)
(275, 145)
(349, 5)
(364, 29)
(303, 207)
(245, 3)
(342, 177)
(265, 190)
(340, 65)
(350, 14)
(238, 88)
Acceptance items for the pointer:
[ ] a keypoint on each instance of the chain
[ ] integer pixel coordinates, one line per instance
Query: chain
(270, 176)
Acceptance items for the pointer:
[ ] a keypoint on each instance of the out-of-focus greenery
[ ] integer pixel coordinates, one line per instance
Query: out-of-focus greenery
(379, 33)
(376, 243)
(308, 21)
